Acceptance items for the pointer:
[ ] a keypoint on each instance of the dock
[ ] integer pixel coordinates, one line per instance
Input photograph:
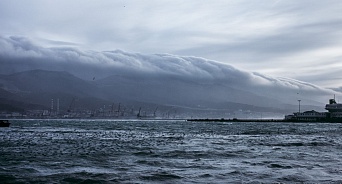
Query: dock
(238, 120)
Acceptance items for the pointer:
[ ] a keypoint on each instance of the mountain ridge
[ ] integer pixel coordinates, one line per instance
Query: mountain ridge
(154, 79)
(134, 92)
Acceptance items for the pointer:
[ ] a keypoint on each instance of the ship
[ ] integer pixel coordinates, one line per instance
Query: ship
(4, 123)
(334, 111)
(334, 114)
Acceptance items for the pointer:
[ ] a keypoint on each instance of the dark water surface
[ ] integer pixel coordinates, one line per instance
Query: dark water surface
(101, 151)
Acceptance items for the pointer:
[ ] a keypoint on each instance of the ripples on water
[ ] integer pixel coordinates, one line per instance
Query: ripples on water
(99, 151)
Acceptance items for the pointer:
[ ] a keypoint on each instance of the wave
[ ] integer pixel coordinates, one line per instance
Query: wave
(161, 176)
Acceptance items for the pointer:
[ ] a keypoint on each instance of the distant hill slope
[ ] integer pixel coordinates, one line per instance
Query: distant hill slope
(91, 79)
(40, 81)
(178, 91)
(39, 87)
(10, 102)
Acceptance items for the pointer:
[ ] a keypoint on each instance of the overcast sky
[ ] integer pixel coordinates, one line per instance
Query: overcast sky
(300, 39)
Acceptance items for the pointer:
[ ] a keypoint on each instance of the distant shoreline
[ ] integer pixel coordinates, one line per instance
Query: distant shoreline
(181, 119)
(260, 120)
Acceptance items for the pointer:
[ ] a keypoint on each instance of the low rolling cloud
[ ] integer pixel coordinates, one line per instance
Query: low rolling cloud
(21, 54)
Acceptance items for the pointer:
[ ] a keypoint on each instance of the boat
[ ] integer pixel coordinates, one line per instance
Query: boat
(334, 114)
(334, 111)
(4, 123)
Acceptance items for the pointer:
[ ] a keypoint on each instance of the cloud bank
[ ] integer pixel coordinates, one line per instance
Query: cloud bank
(22, 54)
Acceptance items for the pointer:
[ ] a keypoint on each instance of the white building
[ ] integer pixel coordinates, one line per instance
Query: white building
(307, 116)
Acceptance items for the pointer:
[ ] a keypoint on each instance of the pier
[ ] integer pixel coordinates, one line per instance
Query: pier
(238, 120)
(329, 120)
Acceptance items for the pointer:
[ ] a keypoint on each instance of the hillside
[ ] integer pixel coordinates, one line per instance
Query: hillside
(34, 90)
(101, 80)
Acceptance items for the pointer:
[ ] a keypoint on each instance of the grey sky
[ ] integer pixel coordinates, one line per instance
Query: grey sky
(290, 38)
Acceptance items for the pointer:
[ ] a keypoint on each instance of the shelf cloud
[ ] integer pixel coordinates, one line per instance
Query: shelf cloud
(21, 54)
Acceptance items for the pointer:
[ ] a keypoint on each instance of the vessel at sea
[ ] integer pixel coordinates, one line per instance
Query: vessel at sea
(4, 123)
(334, 114)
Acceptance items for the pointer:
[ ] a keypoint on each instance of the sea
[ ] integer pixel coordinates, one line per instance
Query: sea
(169, 151)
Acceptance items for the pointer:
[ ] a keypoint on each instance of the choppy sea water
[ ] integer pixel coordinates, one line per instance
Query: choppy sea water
(103, 151)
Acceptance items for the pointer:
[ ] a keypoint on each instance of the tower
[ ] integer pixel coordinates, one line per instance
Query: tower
(51, 107)
(57, 106)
